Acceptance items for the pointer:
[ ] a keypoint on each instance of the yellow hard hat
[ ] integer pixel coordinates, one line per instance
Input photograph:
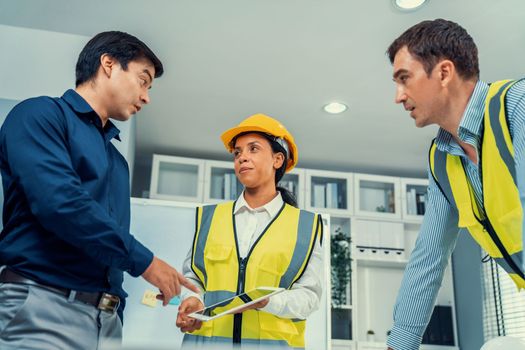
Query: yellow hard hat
(268, 125)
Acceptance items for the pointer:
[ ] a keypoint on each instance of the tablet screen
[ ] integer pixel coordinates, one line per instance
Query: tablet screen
(245, 298)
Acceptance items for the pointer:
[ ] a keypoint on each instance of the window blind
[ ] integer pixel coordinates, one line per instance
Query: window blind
(503, 305)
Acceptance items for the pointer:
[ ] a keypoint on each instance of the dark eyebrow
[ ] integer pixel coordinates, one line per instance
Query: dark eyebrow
(399, 72)
(249, 144)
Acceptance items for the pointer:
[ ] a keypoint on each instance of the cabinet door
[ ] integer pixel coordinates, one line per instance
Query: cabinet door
(294, 182)
(414, 198)
(220, 182)
(329, 192)
(377, 196)
(177, 178)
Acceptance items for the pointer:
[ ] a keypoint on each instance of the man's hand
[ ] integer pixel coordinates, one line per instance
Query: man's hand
(258, 305)
(185, 323)
(166, 279)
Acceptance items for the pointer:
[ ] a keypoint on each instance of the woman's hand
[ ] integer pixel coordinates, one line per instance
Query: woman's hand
(185, 323)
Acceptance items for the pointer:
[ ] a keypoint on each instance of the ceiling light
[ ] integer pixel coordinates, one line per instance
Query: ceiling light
(408, 4)
(335, 107)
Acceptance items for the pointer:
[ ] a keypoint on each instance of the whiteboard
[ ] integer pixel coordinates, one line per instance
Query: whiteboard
(167, 229)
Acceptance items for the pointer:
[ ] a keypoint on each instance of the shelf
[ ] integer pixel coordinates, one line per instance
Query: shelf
(344, 344)
(365, 345)
(382, 263)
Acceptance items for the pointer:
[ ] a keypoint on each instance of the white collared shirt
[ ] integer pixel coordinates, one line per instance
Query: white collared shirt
(304, 296)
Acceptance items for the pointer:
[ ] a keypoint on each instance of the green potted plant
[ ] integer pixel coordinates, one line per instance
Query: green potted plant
(341, 269)
(370, 335)
(341, 273)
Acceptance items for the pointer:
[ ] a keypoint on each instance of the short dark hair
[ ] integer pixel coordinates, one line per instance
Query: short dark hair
(121, 46)
(431, 41)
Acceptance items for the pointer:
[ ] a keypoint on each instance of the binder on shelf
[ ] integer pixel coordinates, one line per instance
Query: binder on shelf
(227, 186)
(234, 189)
(411, 202)
(420, 203)
(331, 195)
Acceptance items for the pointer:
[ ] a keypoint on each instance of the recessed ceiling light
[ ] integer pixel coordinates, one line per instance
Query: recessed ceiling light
(335, 108)
(408, 4)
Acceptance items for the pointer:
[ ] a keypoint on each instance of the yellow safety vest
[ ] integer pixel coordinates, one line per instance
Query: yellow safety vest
(277, 259)
(497, 229)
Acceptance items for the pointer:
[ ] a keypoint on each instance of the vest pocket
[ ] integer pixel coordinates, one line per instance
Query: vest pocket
(218, 265)
(270, 325)
(267, 277)
(217, 253)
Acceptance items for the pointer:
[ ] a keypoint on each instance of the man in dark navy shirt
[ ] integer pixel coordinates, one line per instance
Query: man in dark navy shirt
(66, 241)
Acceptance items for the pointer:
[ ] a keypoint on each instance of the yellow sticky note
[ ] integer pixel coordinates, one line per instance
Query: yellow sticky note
(149, 298)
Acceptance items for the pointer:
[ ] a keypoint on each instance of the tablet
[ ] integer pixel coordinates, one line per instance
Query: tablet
(247, 298)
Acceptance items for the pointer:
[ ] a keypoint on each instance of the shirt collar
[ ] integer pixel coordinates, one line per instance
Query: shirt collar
(81, 107)
(471, 124)
(272, 207)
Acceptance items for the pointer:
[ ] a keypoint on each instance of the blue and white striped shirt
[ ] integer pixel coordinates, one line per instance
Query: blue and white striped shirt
(439, 230)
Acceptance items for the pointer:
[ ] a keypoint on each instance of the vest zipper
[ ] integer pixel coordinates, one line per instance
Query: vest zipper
(237, 318)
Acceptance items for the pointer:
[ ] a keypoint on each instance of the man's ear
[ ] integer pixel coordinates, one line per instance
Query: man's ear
(446, 71)
(107, 64)
(278, 160)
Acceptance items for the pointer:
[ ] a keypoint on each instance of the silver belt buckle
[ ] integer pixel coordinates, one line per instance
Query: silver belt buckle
(108, 302)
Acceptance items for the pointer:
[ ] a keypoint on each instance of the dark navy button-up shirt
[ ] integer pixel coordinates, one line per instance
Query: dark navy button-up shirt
(66, 208)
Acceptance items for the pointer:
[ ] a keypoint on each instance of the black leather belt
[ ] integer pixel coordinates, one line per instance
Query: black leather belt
(100, 300)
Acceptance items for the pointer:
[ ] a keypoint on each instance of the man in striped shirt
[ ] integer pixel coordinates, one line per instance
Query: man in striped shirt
(435, 68)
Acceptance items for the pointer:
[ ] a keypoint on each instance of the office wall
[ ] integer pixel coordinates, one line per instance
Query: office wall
(468, 292)
(5, 107)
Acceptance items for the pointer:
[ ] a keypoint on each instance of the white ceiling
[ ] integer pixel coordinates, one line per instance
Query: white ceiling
(228, 59)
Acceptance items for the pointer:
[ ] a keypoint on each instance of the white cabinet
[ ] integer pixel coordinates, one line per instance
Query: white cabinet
(329, 191)
(177, 178)
(377, 196)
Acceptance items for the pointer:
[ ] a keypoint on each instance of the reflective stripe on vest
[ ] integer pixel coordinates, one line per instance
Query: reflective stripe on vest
(277, 259)
(497, 229)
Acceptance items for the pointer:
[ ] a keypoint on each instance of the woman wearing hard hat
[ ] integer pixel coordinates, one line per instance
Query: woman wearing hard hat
(261, 239)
